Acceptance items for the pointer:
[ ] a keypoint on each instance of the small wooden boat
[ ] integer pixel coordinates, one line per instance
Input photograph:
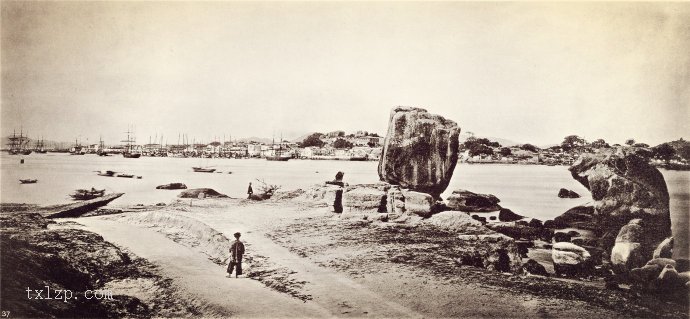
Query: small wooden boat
(28, 181)
(84, 194)
(106, 173)
(203, 170)
(125, 175)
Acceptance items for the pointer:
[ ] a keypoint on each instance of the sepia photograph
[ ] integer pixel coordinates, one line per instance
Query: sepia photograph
(344, 159)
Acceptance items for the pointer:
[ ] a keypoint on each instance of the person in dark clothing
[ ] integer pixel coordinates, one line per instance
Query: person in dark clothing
(236, 250)
(250, 191)
(338, 203)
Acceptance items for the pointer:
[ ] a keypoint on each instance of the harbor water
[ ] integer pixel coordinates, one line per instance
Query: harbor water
(529, 190)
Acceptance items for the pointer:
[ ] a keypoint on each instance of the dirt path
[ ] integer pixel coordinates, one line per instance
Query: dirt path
(333, 293)
(193, 273)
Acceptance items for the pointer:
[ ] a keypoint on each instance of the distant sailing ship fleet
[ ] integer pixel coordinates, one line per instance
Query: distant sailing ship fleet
(282, 151)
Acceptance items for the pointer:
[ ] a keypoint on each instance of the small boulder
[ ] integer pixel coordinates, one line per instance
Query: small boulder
(363, 199)
(458, 222)
(559, 237)
(626, 253)
(418, 203)
(565, 193)
(535, 268)
(578, 216)
(665, 249)
(507, 215)
(172, 186)
(467, 201)
(570, 259)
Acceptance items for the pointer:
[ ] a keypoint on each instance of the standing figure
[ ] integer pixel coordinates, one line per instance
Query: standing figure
(338, 203)
(236, 250)
(250, 191)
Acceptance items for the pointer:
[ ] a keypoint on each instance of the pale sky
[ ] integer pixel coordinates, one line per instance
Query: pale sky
(529, 72)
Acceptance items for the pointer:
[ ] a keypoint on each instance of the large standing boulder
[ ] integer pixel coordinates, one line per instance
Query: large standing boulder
(626, 253)
(625, 187)
(467, 201)
(420, 151)
(363, 199)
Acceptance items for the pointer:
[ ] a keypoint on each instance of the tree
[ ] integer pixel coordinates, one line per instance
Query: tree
(664, 152)
(506, 151)
(529, 147)
(341, 143)
(572, 142)
(313, 140)
(478, 149)
(600, 143)
(630, 141)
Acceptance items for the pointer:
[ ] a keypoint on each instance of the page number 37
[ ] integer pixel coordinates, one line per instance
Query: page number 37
(4, 314)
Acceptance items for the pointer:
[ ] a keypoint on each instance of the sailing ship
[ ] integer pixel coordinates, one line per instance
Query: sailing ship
(17, 144)
(77, 149)
(128, 153)
(278, 153)
(101, 149)
(40, 147)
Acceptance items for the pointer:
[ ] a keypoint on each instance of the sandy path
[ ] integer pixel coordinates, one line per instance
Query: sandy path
(193, 273)
(340, 295)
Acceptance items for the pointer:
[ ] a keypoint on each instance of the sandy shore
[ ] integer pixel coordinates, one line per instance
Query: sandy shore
(304, 261)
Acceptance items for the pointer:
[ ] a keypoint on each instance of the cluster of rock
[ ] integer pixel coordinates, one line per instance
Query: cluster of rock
(172, 186)
(201, 193)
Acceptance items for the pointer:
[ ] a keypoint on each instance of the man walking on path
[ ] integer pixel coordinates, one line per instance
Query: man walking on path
(250, 191)
(236, 250)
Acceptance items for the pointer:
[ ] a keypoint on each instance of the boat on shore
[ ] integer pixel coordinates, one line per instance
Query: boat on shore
(85, 194)
(28, 181)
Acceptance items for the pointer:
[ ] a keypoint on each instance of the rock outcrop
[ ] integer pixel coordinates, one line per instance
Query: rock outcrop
(420, 151)
(565, 193)
(467, 201)
(625, 187)
(491, 251)
(172, 186)
(201, 193)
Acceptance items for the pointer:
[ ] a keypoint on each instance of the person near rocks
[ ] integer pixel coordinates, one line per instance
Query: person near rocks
(250, 191)
(338, 203)
(236, 252)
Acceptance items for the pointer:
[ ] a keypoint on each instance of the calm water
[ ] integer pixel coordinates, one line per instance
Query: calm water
(529, 190)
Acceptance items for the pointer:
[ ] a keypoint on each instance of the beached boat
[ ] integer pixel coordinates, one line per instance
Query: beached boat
(28, 181)
(84, 194)
(203, 169)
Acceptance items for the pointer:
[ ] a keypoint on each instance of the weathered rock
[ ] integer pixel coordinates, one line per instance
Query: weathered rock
(626, 254)
(570, 259)
(395, 201)
(467, 201)
(566, 193)
(507, 215)
(625, 186)
(458, 222)
(172, 186)
(578, 216)
(665, 249)
(517, 230)
(420, 151)
(363, 199)
(534, 223)
(535, 268)
(493, 251)
(418, 203)
(201, 193)
(559, 237)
